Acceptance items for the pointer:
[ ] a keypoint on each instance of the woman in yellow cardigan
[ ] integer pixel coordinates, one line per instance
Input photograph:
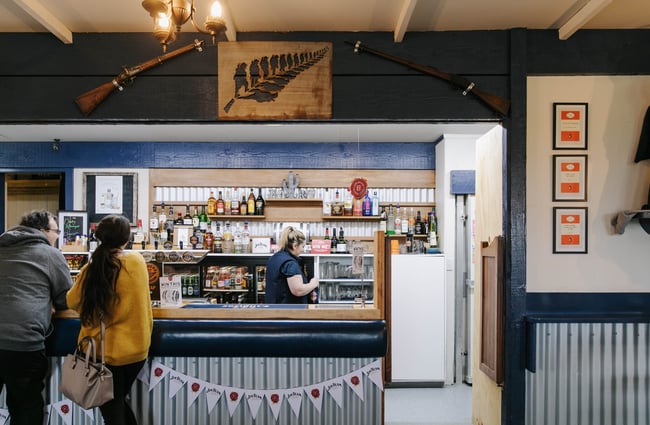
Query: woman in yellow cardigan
(114, 288)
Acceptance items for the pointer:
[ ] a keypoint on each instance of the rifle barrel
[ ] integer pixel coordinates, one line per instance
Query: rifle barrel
(497, 103)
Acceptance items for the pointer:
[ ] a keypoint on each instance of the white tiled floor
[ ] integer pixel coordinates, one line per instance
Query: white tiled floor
(450, 405)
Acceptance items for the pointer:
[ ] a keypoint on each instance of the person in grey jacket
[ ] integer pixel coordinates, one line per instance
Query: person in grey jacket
(34, 283)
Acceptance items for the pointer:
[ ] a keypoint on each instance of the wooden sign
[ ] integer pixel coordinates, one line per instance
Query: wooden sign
(274, 80)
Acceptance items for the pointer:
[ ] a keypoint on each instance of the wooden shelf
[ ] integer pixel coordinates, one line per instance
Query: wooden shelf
(289, 202)
(350, 218)
(236, 217)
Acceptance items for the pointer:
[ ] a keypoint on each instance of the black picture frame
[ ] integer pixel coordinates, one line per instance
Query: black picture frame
(570, 230)
(570, 125)
(129, 198)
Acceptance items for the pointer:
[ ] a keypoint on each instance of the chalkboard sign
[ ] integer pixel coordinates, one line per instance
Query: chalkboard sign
(71, 224)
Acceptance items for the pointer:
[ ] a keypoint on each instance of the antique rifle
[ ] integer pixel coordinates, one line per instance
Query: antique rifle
(88, 101)
(497, 103)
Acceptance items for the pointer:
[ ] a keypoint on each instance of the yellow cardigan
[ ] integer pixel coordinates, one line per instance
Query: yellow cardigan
(128, 330)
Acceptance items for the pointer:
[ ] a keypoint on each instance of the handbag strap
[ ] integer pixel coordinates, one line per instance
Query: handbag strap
(101, 341)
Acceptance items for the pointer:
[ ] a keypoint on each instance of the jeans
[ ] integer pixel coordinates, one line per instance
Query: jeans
(118, 411)
(23, 374)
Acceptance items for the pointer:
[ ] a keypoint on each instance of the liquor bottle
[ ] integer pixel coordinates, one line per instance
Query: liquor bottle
(218, 239)
(170, 222)
(196, 220)
(162, 218)
(341, 245)
(357, 207)
(375, 203)
(418, 224)
(259, 203)
(208, 239)
(92, 240)
(383, 220)
(228, 239)
(409, 241)
(327, 202)
(433, 229)
(347, 203)
(367, 205)
(243, 206)
(411, 227)
(390, 221)
(203, 220)
(187, 218)
(234, 204)
(237, 238)
(212, 204)
(153, 226)
(327, 233)
(397, 221)
(227, 202)
(334, 240)
(221, 205)
(246, 238)
(250, 204)
(405, 222)
(179, 219)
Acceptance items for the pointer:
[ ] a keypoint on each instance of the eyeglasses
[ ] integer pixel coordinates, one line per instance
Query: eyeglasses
(57, 231)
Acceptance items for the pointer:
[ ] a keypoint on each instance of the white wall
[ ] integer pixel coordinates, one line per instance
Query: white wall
(614, 263)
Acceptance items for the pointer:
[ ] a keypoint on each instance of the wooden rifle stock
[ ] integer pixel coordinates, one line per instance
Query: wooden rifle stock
(497, 103)
(88, 101)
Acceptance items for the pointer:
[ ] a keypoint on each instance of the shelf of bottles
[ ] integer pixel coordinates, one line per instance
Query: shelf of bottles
(315, 210)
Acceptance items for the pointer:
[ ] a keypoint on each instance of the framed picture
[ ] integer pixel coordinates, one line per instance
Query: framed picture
(110, 193)
(570, 125)
(570, 230)
(73, 225)
(569, 177)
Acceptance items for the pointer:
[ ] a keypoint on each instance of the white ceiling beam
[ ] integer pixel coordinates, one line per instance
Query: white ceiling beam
(37, 11)
(581, 17)
(403, 21)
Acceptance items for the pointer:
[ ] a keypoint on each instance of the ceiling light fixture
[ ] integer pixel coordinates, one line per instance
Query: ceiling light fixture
(170, 15)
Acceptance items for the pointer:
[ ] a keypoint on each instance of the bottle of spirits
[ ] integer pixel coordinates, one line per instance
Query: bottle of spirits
(246, 238)
(228, 243)
(234, 204)
(227, 202)
(375, 204)
(203, 220)
(179, 219)
(250, 204)
(237, 237)
(218, 239)
(334, 241)
(341, 245)
(357, 207)
(347, 204)
(327, 202)
(221, 205)
(153, 226)
(433, 229)
(92, 240)
(390, 221)
(208, 239)
(162, 219)
(367, 205)
(405, 222)
(243, 206)
(212, 204)
(170, 222)
(397, 220)
(383, 220)
(196, 220)
(259, 203)
(187, 218)
(327, 233)
(418, 224)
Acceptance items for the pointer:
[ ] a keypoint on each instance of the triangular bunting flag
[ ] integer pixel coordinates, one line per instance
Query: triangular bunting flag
(47, 409)
(143, 375)
(355, 382)
(4, 415)
(335, 388)
(233, 397)
(90, 413)
(254, 399)
(194, 388)
(64, 409)
(158, 373)
(294, 398)
(315, 394)
(274, 400)
(176, 381)
(373, 370)
(212, 394)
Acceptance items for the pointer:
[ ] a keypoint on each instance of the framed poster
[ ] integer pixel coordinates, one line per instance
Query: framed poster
(72, 224)
(110, 193)
(570, 125)
(569, 177)
(570, 230)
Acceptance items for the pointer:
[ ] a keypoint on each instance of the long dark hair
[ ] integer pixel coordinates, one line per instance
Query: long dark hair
(99, 293)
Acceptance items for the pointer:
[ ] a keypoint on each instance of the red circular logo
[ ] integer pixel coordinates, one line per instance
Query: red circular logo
(275, 398)
(196, 386)
(234, 396)
(65, 408)
(354, 380)
(315, 393)
(158, 371)
(359, 187)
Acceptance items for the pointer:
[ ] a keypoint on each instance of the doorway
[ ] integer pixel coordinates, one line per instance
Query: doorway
(29, 191)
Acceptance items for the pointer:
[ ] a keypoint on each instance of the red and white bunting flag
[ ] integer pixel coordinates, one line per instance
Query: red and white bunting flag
(254, 399)
(274, 400)
(373, 370)
(212, 394)
(176, 382)
(64, 409)
(158, 373)
(335, 388)
(294, 398)
(90, 413)
(315, 394)
(143, 375)
(194, 388)
(233, 397)
(355, 382)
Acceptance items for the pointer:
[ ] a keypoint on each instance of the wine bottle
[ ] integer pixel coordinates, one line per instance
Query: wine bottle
(433, 229)
(334, 240)
(196, 220)
(390, 221)
(327, 233)
(203, 220)
(341, 245)
(259, 203)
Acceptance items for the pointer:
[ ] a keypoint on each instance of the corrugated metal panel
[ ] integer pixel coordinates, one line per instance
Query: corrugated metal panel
(156, 408)
(590, 373)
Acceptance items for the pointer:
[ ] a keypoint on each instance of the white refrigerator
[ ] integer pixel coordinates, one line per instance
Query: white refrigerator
(417, 330)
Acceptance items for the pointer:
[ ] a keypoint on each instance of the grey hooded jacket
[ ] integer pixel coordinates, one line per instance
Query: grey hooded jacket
(34, 277)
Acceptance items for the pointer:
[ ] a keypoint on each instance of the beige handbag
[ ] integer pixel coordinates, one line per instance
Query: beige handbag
(84, 380)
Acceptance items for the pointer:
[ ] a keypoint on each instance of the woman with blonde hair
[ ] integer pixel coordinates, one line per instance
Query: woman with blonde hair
(286, 282)
(113, 288)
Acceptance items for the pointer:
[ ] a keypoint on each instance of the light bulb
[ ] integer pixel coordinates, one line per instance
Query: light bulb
(215, 10)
